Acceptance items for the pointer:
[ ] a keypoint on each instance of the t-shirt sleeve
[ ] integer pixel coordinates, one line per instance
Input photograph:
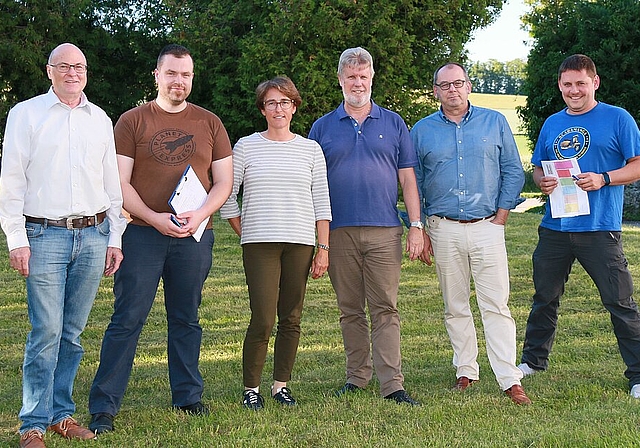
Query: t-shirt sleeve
(221, 143)
(124, 134)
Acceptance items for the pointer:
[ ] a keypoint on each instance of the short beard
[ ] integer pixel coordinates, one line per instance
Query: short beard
(357, 101)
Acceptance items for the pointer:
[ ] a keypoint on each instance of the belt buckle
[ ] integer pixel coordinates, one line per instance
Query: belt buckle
(69, 223)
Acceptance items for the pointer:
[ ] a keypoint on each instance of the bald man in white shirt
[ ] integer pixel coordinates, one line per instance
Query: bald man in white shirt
(61, 210)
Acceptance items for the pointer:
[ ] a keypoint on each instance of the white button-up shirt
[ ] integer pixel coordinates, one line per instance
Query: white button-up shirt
(58, 162)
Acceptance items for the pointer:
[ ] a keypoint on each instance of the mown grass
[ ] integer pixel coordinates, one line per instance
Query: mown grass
(581, 401)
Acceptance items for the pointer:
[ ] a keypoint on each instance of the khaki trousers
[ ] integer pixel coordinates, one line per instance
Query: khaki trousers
(478, 250)
(364, 267)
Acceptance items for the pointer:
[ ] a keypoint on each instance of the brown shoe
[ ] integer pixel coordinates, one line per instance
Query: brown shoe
(70, 429)
(32, 439)
(517, 395)
(462, 383)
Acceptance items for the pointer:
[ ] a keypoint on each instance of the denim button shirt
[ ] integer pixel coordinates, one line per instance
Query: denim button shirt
(468, 170)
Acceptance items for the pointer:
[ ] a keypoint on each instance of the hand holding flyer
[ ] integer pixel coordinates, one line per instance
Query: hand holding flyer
(567, 199)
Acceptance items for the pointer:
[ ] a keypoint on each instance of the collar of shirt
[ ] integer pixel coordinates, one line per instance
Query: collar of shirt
(51, 99)
(374, 113)
(465, 118)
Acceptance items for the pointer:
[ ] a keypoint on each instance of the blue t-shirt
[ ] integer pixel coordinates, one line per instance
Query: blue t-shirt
(362, 165)
(602, 139)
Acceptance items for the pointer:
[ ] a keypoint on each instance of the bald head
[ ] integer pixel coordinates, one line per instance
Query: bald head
(64, 48)
(67, 71)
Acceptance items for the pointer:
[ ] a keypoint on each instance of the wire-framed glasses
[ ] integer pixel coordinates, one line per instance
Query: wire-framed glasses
(63, 67)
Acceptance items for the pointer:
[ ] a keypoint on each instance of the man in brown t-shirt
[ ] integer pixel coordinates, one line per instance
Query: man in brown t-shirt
(155, 143)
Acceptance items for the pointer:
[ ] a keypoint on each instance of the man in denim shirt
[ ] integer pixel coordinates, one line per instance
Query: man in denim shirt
(469, 177)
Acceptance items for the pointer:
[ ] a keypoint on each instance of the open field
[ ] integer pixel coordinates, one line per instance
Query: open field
(582, 401)
(505, 104)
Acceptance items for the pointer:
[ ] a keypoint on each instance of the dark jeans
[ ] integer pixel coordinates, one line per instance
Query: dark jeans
(183, 264)
(601, 255)
(276, 276)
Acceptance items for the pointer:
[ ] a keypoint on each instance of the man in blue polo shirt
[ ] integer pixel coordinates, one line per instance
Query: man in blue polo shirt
(368, 149)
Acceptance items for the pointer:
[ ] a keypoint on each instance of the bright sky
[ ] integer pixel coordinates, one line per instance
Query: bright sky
(503, 40)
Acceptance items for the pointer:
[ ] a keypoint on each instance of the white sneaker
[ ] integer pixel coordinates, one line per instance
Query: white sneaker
(526, 371)
(635, 391)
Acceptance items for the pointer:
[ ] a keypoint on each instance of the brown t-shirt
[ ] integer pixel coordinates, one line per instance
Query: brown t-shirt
(163, 144)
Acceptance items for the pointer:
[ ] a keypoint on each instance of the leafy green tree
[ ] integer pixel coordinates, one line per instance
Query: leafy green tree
(238, 44)
(115, 35)
(608, 31)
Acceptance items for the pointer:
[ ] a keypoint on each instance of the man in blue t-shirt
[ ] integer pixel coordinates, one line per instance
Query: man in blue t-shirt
(368, 149)
(606, 141)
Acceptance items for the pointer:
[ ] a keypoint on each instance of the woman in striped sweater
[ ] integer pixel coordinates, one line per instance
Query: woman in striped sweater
(285, 204)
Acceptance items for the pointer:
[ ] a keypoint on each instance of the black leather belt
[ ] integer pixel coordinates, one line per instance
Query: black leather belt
(467, 221)
(70, 223)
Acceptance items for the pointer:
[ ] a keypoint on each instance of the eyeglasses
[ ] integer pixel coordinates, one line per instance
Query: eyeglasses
(64, 67)
(273, 104)
(447, 85)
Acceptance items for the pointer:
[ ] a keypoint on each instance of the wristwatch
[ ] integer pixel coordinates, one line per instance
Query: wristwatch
(417, 224)
(607, 179)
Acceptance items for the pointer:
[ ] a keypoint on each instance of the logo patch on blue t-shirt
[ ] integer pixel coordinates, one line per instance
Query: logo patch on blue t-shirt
(572, 142)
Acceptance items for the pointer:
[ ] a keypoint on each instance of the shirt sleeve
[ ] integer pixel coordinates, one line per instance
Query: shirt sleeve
(511, 172)
(117, 222)
(320, 186)
(231, 209)
(13, 181)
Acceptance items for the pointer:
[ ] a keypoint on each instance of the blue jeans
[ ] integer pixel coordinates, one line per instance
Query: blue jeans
(601, 255)
(183, 265)
(65, 269)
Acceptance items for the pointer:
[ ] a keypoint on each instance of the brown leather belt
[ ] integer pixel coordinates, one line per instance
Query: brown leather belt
(70, 223)
(467, 221)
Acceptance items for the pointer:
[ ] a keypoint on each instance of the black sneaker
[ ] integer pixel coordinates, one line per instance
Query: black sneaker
(284, 397)
(101, 422)
(401, 396)
(347, 388)
(194, 409)
(252, 400)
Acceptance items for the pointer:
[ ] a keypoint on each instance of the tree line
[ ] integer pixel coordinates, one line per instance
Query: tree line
(239, 43)
(497, 77)
(236, 44)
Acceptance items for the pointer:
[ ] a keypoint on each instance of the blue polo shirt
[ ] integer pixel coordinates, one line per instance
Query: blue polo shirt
(362, 165)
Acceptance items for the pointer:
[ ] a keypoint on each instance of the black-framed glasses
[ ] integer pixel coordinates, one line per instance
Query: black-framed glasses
(273, 104)
(63, 67)
(447, 85)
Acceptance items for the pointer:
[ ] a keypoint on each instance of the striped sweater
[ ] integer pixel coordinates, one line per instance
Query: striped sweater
(285, 190)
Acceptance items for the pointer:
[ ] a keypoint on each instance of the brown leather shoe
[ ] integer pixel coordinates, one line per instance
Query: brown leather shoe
(32, 439)
(70, 429)
(517, 395)
(462, 383)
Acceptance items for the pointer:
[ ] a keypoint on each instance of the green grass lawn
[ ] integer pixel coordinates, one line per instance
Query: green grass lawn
(581, 401)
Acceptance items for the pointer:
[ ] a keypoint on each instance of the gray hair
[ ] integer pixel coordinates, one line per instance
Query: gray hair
(352, 57)
(450, 64)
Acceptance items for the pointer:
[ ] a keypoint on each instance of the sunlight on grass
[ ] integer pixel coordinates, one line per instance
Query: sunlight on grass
(582, 400)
